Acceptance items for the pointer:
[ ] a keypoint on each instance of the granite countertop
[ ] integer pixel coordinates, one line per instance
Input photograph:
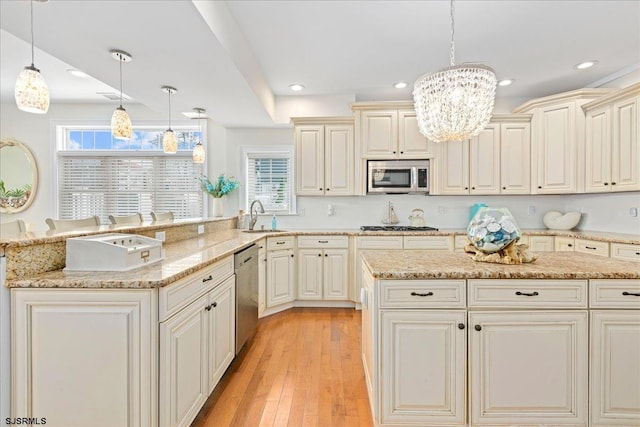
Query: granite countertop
(419, 264)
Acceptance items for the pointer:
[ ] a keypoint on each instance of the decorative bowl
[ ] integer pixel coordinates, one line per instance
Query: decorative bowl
(555, 220)
(491, 229)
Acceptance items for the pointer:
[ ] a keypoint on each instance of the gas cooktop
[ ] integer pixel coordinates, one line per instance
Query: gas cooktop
(395, 228)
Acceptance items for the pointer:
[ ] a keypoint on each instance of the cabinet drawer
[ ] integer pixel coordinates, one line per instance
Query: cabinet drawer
(528, 293)
(541, 243)
(565, 244)
(379, 242)
(285, 242)
(422, 293)
(625, 252)
(172, 298)
(621, 293)
(442, 243)
(592, 247)
(323, 241)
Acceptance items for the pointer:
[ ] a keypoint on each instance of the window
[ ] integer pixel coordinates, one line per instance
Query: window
(269, 178)
(100, 175)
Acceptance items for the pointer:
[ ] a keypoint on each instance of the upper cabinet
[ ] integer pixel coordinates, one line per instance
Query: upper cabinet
(612, 135)
(324, 156)
(389, 130)
(557, 141)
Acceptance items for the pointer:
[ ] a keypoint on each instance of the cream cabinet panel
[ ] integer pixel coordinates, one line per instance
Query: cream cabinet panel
(564, 244)
(380, 134)
(626, 252)
(515, 158)
(370, 243)
(262, 276)
(423, 375)
(338, 160)
(528, 368)
(184, 385)
(280, 277)
(598, 150)
(221, 310)
(310, 169)
(615, 368)
(85, 357)
(594, 247)
(411, 143)
(484, 161)
(556, 148)
(335, 274)
(369, 336)
(541, 243)
(310, 263)
(625, 167)
(454, 167)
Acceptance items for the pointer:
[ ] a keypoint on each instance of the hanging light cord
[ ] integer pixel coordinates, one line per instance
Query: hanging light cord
(120, 59)
(453, 46)
(169, 92)
(32, 50)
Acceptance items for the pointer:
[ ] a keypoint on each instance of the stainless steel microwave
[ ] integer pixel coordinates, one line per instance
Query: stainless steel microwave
(397, 176)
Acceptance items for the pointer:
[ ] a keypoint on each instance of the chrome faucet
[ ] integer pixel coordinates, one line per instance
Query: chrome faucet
(253, 219)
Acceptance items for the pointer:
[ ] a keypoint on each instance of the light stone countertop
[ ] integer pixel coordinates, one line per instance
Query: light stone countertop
(419, 264)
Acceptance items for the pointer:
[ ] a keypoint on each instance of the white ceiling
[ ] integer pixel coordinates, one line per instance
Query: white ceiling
(235, 58)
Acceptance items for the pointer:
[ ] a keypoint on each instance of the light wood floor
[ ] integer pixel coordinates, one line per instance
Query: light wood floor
(302, 368)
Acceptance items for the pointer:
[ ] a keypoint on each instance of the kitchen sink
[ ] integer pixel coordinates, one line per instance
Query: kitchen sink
(263, 231)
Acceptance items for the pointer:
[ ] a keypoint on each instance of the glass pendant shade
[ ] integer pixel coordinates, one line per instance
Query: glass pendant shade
(455, 103)
(198, 153)
(121, 124)
(31, 92)
(169, 142)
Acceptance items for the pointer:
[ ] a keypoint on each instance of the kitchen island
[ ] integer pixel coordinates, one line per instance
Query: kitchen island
(448, 341)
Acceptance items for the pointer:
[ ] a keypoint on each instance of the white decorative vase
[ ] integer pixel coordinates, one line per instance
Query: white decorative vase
(217, 207)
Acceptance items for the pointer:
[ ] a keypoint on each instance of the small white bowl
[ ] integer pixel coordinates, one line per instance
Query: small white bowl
(555, 220)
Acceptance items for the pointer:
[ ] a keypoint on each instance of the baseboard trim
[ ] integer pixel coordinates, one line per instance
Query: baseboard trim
(300, 303)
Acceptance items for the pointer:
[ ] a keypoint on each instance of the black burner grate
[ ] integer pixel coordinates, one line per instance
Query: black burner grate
(395, 228)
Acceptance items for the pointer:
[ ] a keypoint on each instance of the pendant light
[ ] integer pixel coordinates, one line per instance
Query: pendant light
(120, 121)
(198, 150)
(31, 91)
(455, 103)
(169, 140)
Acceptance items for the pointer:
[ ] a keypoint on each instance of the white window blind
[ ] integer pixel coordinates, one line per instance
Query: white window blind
(269, 179)
(123, 185)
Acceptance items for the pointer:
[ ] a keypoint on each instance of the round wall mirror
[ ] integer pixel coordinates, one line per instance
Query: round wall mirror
(18, 176)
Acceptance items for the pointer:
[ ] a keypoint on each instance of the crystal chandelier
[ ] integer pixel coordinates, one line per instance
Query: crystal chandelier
(454, 103)
(198, 150)
(120, 121)
(31, 91)
(169, 140)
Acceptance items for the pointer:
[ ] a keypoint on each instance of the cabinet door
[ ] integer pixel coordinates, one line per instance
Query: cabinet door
(309, 148)
(484, 161)
(423, 375)
(625, 166)
(84, 357)
(528, 368)
(310, 274)
(280, 277)
(262, 276)
(380, 134)
(339, 163)
(221, 310)
(336, 274)
(598, 150)
(184, 385)
(615, 368)
(564, 244)
(541, 243)
(411, 143)
(515, 158)
(556, 149)
(369, 336)
(454, 172)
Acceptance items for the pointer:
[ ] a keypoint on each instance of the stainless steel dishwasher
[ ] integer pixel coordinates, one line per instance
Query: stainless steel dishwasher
(246, 269)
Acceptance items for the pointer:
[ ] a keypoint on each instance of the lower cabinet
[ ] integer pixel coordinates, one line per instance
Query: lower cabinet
(280, 277)
(528, 368)
(323, 274)
(221, 330)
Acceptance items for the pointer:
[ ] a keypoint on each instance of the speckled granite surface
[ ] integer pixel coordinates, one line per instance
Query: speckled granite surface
(417, 264)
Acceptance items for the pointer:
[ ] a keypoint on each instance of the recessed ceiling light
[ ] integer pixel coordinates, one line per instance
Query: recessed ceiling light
(296, 87)
(77, 73)
(505, 82)
(586, 64)
(400, 85)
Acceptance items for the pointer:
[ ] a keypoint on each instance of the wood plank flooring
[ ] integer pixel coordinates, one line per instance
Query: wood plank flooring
(302, 368)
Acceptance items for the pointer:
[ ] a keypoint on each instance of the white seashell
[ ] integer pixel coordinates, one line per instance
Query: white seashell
(555, 220)
(493, 227)
(490, 248)
(508, 226)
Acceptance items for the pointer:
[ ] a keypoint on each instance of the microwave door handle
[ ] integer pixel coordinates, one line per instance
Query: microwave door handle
(414, 179)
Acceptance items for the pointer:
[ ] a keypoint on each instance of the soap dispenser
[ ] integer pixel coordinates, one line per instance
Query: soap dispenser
(274, 222)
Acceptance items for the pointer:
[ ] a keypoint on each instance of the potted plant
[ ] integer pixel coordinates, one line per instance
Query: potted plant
(217, 189)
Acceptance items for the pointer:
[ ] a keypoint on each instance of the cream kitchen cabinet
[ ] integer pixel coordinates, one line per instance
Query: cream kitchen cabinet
(389, 130)
(453, 159)
(262, 276)
(280, 271)
(370, 243)
(615, 353)
(323, 268)
(221, 325)
(612, 135)
(557, 148)
(324, 156)
(564, 244)
(595, 247)
(541, 243)
(85, 357)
